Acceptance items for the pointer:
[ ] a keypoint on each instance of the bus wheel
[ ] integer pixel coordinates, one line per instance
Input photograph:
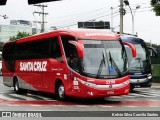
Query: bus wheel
(131, 89)
(1, 72)
(60, 91)
(16, 86)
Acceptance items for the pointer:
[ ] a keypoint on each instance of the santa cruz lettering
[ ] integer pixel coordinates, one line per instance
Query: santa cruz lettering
(33, 66)
(99, 34)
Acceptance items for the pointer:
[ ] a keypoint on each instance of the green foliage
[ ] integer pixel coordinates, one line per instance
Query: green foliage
(156, 7)
(19, 35)
(153, 2)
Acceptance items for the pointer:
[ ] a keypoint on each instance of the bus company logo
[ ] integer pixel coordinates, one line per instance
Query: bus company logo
(99, 34)
(33, 66)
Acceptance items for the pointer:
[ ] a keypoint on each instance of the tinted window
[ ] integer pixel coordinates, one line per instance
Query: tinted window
(39, 49)
(35, 49)
(55, 50)
(66, 44)
(70, 52)
(9, 51)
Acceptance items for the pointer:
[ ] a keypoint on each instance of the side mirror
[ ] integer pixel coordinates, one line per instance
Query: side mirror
(153, 50)
(79, 47)
(133, 48)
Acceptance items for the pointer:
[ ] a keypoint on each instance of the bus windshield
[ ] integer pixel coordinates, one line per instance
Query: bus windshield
(104, 59)
(141, 62)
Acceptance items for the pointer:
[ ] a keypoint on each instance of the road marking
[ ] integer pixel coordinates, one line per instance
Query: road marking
(43, 97)
(5, 97)
(37, 105)
(155, 87)
(106, 106)
(136, 95)
(132, 106)
(124, 103)
(114, 97)
(22, 96)
(14, 99)
(12, 105)
(82, 105)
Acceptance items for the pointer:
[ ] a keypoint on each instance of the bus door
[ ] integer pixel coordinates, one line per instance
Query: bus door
(71, 59)
(54, 65)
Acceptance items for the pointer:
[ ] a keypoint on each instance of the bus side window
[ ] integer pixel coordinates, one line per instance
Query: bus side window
(55, 49)
(70, 52)
(72, 59)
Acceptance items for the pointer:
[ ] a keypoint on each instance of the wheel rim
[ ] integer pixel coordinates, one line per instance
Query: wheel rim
(16, 86)
(61, 91)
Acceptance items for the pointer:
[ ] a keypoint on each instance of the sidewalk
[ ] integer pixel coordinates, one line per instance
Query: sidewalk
(155, 85)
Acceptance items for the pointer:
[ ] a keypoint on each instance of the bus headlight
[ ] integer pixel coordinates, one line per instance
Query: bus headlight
(87, 83)
(149, 77)
(126, 82)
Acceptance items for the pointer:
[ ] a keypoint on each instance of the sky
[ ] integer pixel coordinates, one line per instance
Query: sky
(66, 14)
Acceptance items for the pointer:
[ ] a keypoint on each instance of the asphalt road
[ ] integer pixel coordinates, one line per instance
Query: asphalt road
(146, 99)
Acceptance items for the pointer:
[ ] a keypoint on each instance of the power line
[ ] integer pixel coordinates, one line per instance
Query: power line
(102, 16)
(69, 25)
(77, 16)
(63, 26)
(86, 12)
(86, 17)
(97, 11)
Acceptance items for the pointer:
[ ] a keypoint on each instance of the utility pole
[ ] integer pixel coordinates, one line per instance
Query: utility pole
(43, 15)
(121, 16)
(112, 18)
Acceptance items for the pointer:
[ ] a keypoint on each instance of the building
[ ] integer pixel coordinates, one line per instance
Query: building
(21, 23)
(11, 30)
(16, 25)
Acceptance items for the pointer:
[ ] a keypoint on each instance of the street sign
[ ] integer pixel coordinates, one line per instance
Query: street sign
(94, 25)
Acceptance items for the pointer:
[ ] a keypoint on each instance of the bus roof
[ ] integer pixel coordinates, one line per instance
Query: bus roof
(78, 33)
(131, 39)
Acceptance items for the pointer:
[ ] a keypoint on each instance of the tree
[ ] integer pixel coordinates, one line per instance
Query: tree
(156, 6)
(19, 35)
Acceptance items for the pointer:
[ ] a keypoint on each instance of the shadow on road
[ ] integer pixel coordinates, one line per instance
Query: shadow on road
(72, 100)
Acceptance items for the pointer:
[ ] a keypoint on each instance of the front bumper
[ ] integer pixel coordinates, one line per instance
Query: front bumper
(86, 90)
(140, 81)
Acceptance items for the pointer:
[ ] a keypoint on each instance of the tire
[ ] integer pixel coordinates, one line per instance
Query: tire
(60, 91)
(16, 86)
(0, 72)
(131, 89)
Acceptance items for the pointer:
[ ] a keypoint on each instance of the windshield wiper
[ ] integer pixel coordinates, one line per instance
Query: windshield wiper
(114, 65)
(101, 65)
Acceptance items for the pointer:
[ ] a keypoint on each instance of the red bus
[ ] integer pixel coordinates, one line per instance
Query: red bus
(81, 63)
